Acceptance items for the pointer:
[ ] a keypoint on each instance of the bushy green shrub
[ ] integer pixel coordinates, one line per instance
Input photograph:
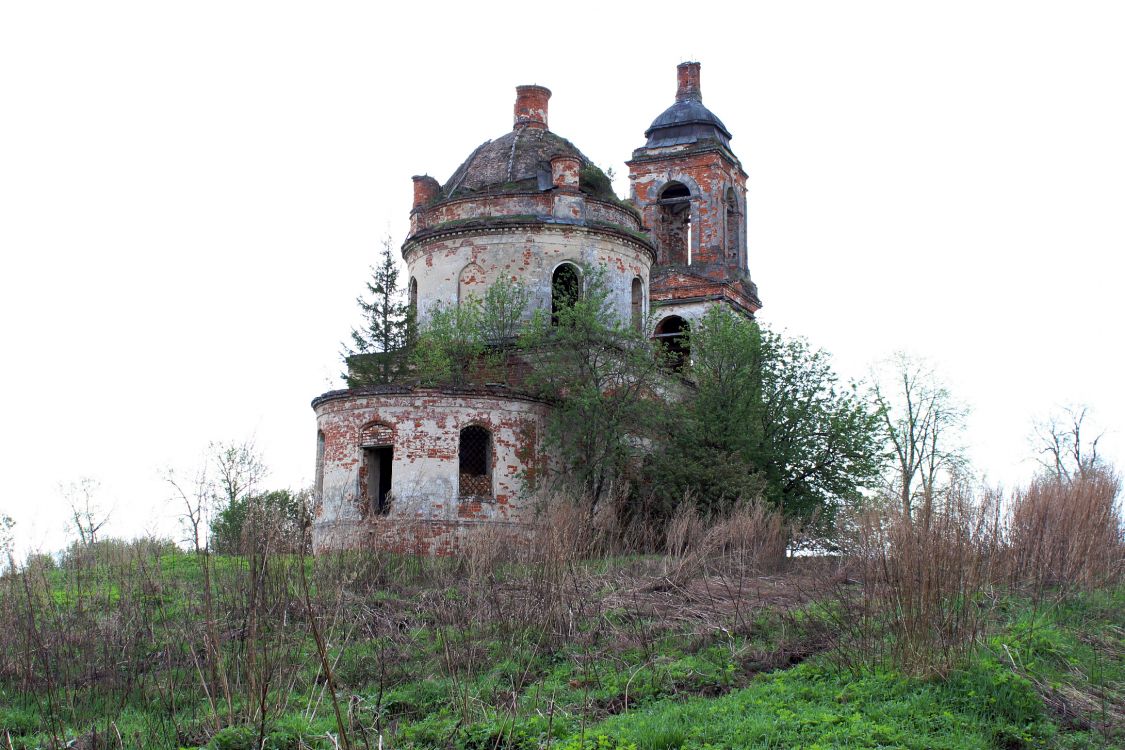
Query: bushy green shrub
(279, 516)
(234, 738)
(18, 721)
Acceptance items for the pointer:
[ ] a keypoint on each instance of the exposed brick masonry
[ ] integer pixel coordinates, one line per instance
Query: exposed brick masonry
(687, 82)
(531, 106)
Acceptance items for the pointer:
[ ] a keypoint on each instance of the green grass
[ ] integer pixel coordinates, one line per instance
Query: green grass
(812, 705)
(1049, 673)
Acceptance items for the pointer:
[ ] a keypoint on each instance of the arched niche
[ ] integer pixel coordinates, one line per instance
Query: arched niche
(470, 282)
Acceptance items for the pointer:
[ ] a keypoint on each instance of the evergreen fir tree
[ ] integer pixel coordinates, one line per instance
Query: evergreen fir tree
(376, 351)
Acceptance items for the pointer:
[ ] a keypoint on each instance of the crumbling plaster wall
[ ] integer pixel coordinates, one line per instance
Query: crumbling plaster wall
(527, 254)
(424, 474)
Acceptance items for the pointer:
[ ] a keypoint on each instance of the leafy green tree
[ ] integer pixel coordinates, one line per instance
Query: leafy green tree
(470, 340)
(449, 343)
(768, 416)
(602, 376)
(501, 312)
(375, 353)
(230, 473)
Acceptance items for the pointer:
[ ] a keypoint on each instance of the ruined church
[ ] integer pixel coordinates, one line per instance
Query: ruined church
(409, 468)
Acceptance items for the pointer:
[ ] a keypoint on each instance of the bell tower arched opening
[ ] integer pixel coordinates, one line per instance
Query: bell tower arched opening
(673, 224)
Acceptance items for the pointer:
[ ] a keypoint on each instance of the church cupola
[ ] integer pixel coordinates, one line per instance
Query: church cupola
(687, 120)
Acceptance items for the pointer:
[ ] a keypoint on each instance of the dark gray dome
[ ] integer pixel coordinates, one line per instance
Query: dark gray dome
(686, 121)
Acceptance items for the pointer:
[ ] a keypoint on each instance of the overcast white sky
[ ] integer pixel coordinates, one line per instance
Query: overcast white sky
(191, 195)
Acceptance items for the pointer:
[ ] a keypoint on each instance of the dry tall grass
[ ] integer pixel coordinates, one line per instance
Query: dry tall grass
(1067, 533)
(921, 580)
(752, 538)
(925, 579)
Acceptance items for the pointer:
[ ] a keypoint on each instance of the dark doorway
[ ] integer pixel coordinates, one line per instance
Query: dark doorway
(377, 464)
(672, 335)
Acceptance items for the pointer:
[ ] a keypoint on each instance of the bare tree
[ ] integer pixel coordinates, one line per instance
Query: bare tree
(229, 473)
(196, 499)
(238, 469)
(921, 422)
(87, 516)
(1063, 443)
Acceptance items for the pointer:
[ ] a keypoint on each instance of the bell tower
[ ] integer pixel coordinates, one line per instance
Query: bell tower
(691, 191)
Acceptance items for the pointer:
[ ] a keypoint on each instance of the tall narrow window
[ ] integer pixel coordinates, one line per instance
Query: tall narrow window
(673, 224)
(377, 449)
(412, 299)
(671, 332)
(566, 288)
(474, 458)
(637, 306)
(318, 485)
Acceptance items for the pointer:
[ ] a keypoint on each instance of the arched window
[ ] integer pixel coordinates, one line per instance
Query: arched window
(673, 224)
(412, 296)
(376, 444)
(637, 306)
(566, 288)
(671, 332)
(470, 282)
(474, 459)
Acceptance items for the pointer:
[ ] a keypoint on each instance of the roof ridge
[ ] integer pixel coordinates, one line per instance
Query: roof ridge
(512, 154)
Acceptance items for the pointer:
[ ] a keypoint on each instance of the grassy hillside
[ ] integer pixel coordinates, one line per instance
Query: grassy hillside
(140, 645)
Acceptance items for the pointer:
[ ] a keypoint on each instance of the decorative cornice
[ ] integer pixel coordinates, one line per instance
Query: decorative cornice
(512, 224)
(502, 392)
